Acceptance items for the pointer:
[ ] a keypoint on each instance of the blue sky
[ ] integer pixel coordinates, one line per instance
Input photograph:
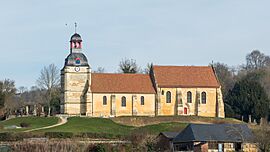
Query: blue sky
(33, 34)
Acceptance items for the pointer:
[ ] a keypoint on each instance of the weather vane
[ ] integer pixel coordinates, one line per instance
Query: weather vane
(75, 26)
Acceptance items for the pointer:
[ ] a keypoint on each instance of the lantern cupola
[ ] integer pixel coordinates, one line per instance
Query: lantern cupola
(75, 43)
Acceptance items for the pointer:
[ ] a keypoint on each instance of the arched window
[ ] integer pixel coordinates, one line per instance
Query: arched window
(189, 97)
(104, 100)
(168, 97)
(123, 101)
(162, 92)
(142, 100)
(203, 98)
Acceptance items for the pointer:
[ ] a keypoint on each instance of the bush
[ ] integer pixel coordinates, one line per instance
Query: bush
(24, 125)
(98, 148)
(59, 134)
(100, 135)
(8, 136)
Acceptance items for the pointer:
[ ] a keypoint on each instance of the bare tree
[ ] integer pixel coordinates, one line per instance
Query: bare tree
(148, 68)
(257, 60)
(225, 76)
(7, 96)
(263, 137)
(99, 70)
(22, 89)
(128, 66)
(49, 80)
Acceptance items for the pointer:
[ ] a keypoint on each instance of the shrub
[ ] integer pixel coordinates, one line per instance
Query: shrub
(59, 134)
(98, 148)
(100, 135)
(8, 136)
(24, 125)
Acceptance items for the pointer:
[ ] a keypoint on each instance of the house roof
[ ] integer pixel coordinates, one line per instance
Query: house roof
(185, 76)
(121, 83)
(215, 132)
(170, 135)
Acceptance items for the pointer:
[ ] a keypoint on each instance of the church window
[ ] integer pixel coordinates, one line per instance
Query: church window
(203, 98)
(104, 100)
(142, 100)
(123, 101)
(189, 97)
(162, 92)
(168, 97)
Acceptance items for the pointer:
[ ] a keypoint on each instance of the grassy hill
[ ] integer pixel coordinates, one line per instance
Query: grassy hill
(144, 121)
(114, 126)
(34, 122)
(103, 125)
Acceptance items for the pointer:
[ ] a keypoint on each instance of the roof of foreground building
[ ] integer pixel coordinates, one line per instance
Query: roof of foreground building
(215, 132)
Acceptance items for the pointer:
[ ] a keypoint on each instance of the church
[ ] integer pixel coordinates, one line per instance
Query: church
(165, 91)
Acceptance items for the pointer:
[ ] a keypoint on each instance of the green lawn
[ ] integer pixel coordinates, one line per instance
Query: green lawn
(162, 127)
(104, 125)
(92, 125)
(79, 125)
(35, 122)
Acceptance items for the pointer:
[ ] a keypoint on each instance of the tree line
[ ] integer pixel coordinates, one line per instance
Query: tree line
(245, 88)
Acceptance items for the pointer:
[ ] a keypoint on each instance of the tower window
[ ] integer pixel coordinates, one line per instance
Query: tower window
(123, 101)
(104, 100)
(142, 100)
(203, 98)
(168, 97)
(189, 97)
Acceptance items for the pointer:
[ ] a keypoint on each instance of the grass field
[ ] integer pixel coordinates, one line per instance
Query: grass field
(103, 125)
(115, 126)
(35, 122)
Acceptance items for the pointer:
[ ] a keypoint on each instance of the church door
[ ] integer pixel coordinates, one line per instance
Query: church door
(185, 110)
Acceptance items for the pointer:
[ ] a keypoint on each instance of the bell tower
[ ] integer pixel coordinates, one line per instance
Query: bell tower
(76, 81)
(75, 43)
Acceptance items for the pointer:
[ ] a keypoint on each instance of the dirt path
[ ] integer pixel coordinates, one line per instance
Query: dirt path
(62, 121)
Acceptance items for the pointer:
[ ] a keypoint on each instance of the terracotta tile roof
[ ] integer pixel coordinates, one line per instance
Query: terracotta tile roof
(121, 83)
(185, 76)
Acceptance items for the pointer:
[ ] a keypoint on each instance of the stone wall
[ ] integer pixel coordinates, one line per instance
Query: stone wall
(114, 107)
(75, 90)
(179, 104)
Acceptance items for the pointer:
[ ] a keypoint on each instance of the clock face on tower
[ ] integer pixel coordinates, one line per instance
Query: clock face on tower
(77, 69)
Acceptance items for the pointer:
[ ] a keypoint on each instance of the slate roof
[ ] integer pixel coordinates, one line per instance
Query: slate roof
(76, 37)
(185, 76)
(170, 135)
(215, 132)
(121, 83)
(70, 60)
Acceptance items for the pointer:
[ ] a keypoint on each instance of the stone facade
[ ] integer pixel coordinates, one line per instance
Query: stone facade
(180, 106)
(109, 95)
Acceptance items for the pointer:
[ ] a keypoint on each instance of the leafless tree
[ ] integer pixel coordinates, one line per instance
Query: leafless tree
(7, 95)
(49, 80)
(225, 76)
(22, 89)
(148, 68)
(263, 137)
(257, 60)
(49, 77)
(99, 70)
(128, 66)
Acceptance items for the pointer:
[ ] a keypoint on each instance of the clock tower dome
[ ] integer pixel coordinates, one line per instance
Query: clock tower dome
(76, 81)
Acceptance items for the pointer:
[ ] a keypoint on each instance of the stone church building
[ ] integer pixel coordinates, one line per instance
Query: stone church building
(165, 91)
